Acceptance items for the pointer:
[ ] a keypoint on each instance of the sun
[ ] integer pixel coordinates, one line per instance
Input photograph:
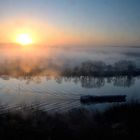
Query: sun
(24, 39)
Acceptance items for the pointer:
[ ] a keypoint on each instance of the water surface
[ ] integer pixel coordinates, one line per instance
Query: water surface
(32, 77)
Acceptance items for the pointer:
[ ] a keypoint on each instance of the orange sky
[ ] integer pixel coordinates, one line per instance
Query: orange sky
(45, 33)
(42, 33)
(60, 22)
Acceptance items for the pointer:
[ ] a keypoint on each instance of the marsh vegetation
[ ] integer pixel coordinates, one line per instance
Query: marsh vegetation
(117, 122)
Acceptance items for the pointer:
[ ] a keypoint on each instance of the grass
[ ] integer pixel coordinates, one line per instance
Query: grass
(117, 122)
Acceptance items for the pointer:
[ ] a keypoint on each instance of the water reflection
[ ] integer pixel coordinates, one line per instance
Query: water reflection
(85, 81)
(98, 82)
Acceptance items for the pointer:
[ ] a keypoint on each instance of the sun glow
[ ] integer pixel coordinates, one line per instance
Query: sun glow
(24, 39)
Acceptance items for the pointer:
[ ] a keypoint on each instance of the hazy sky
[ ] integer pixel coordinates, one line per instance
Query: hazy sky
(114, 22)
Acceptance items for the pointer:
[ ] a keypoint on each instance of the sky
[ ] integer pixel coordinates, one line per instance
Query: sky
(66, 22)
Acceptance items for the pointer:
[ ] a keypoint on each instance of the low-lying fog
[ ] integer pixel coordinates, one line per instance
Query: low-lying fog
(52, 59)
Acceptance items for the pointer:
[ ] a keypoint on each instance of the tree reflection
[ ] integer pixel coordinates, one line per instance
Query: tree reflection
(59, 79)
(123, 81)
(90, 82)
(98, 82)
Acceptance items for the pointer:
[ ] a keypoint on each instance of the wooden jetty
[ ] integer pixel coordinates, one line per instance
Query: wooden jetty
(102, 99)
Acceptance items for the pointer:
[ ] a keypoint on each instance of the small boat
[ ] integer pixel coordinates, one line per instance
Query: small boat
(102, 99)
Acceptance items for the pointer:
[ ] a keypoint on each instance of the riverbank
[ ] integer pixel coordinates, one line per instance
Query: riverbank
(117, 122)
